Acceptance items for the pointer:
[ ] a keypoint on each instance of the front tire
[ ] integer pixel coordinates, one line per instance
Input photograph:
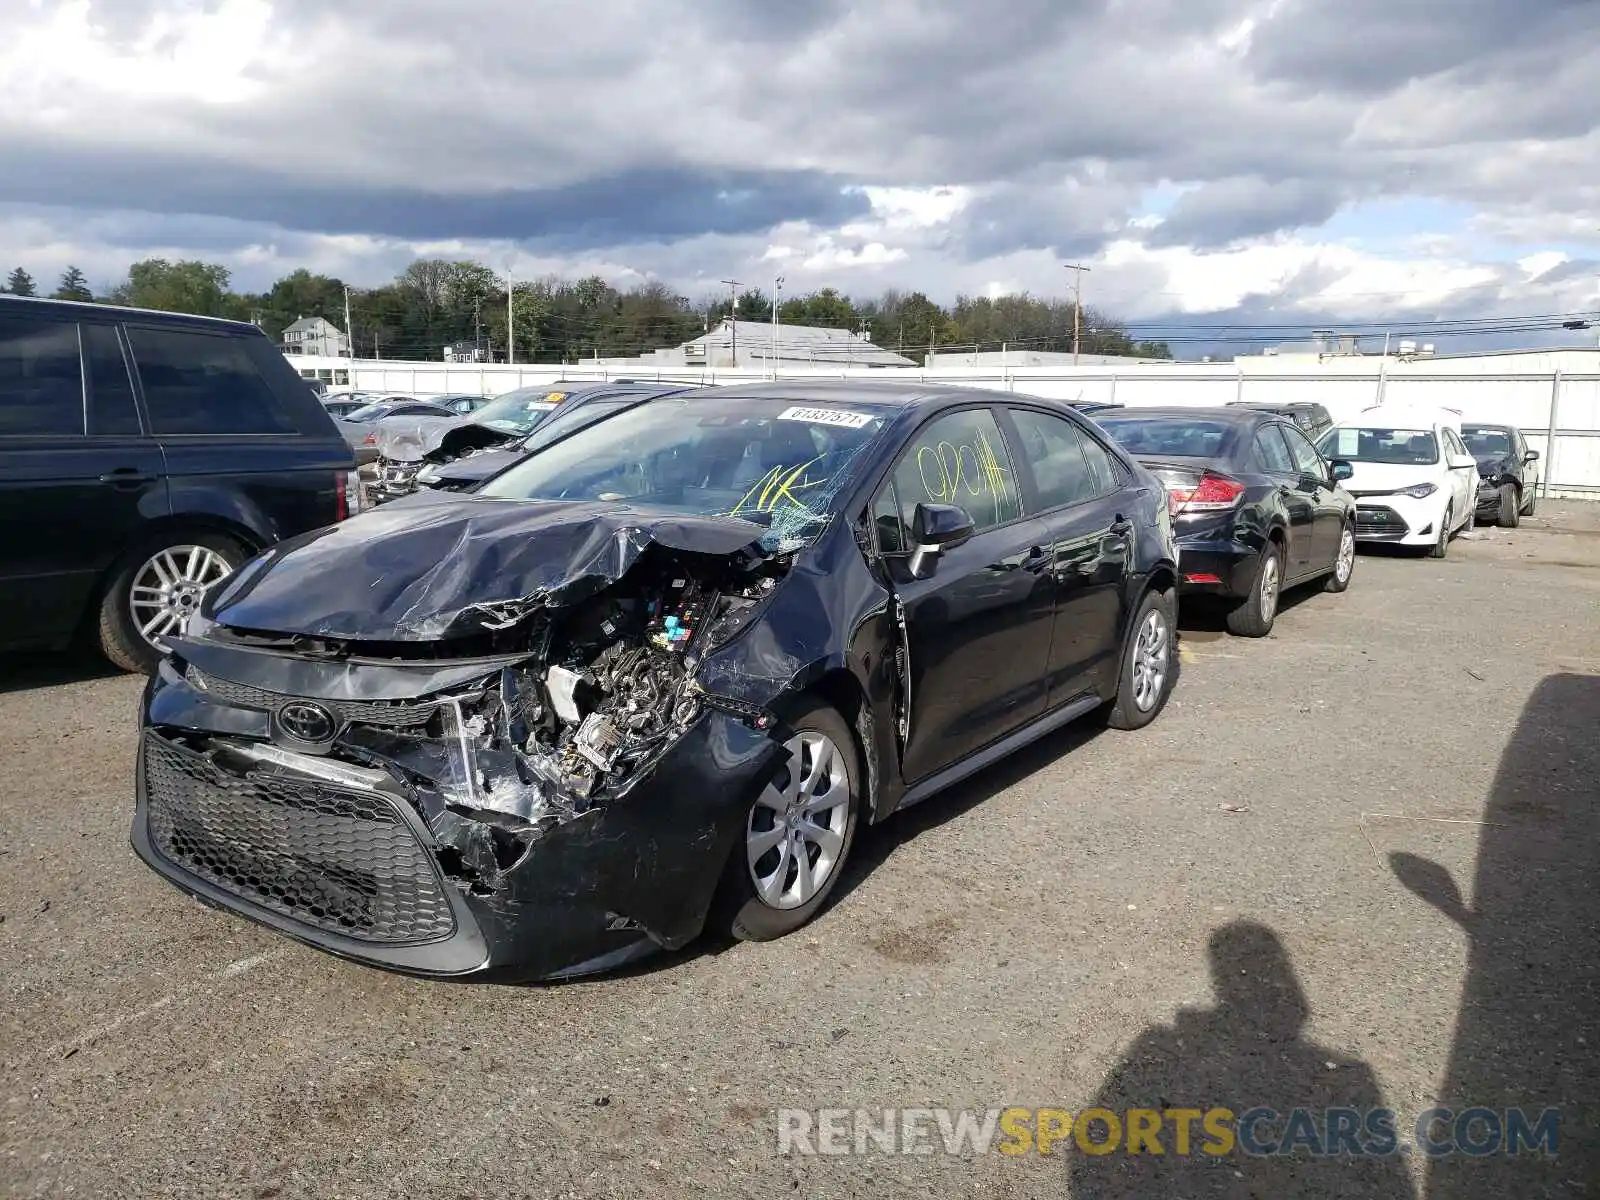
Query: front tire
(1149, 663)
(154, 589)
(798, 833)
(1344, 562)
(1530, 499)
(1441, 545)
(1253, 616)
(1510, 507)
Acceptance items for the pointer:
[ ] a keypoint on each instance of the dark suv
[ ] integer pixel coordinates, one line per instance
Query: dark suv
(1312, 418)
(144, 456)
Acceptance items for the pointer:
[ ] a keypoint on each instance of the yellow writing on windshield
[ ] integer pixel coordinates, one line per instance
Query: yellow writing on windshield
(777, 485)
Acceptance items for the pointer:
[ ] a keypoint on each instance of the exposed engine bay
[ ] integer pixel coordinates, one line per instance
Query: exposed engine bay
(606, 687)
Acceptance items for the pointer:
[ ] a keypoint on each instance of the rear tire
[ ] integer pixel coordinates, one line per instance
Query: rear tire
(1510, 507)
(779, 826)
(1253, 616)
(1441, 545)
(119, 630)
(1344, 561)
(1530, 498)
(1149, 663)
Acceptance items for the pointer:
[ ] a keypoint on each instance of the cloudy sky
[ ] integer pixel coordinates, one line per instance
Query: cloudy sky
(1248, 160)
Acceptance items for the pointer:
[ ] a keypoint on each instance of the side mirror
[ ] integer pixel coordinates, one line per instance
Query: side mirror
(936, 528)
(1531, 456)
(1460, 462)
(1340, 470)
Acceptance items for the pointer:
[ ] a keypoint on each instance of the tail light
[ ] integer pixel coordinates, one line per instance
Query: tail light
(370, 440)
(347, 495)
(1210, 493)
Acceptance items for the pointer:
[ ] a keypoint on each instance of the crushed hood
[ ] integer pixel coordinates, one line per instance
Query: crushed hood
(436, 566)
(406, 439)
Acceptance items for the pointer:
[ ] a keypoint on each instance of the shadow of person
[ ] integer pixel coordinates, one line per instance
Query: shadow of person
(1528, 1028)
(1247, 1054)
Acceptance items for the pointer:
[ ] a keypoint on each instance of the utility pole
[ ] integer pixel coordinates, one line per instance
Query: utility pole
(777, 286)
(511, 317)
(733, 318)
(1077, 308)
(349, 341)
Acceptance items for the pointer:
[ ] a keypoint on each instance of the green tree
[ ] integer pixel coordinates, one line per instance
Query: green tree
(754, 305)
(73, 286)
(908, 323)
(188, 286)
(826, 308)
(299, 294)
(19, 283)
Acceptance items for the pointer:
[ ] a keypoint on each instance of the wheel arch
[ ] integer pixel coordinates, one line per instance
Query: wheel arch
(160, 526)
(840, 690)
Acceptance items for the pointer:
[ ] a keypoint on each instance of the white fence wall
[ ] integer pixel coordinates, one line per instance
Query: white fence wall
(1559, 412)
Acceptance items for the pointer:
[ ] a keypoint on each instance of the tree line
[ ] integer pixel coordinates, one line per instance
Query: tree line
(434, 303)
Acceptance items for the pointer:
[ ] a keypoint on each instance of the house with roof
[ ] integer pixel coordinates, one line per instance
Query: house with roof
(314, 335)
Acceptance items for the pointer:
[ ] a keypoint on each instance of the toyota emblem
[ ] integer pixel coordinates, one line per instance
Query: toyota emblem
(306, 722)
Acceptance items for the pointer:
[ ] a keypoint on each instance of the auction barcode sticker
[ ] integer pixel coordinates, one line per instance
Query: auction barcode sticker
(827, 416)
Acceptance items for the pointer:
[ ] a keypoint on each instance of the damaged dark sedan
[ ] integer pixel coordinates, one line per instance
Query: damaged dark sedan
(652, 678)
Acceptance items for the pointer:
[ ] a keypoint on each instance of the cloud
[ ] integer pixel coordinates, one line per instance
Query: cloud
(1198, 154)
(1234, 210)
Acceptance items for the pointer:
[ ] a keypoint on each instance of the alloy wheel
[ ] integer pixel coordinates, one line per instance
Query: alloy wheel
(1346, 561)
(1269, 588)
(1150, 661)
(795, 832)
(167, 589)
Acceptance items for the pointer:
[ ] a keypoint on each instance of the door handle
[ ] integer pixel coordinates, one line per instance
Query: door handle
(124, 477)
(1036, 560)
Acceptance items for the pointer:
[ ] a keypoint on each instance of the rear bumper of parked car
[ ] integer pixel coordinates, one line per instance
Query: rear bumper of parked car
(1400, 520)
(358, 872)
(1207, 567)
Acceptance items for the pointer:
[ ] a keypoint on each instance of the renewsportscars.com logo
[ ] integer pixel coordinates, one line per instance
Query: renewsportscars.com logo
(1176, 1132)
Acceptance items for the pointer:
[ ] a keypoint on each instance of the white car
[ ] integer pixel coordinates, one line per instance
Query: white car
(1414, 481)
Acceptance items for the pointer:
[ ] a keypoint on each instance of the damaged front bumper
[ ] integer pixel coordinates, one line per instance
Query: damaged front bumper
(371, 863)
(393, 478)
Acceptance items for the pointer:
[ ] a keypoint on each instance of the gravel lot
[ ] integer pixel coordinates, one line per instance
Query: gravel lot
(1006, 943)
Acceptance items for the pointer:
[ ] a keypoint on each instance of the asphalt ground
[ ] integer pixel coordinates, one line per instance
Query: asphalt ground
(1359, 856)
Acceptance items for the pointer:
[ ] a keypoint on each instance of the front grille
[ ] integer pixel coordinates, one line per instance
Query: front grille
(400, 714)
(1374, 519)
(336, 859)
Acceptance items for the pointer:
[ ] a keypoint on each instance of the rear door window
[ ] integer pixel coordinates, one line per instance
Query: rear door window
(41, 377)
(1055, 450)
(196, 382)
(1271, 451)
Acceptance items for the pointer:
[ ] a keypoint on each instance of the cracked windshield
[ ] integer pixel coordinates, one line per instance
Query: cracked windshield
(778, 464)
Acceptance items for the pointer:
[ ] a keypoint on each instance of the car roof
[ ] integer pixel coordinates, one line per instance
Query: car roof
(1396, 416)
(1220, 414)
(1489, 425)
(885, 396)
(1276, 405)
(117, 312)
